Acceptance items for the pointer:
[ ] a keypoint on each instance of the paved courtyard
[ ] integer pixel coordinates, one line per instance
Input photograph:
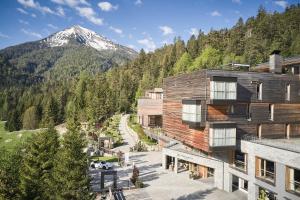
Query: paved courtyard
(162, 184)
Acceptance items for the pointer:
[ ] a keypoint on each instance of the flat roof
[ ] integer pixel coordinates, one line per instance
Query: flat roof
(292, 144)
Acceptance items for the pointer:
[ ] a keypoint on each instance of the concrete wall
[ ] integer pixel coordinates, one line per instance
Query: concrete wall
(281, 157)
(224, 171)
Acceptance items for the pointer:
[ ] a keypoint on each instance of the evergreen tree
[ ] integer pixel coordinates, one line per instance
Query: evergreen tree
(10, 166)
(71, 169)
(36, 174)
(30, 119)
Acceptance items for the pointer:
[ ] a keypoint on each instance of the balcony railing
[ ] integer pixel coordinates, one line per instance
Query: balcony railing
(267, 175)
(240, 164)
(295, 186)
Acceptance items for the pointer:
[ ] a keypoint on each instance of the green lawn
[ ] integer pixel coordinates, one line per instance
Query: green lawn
(132, 122)
(105, 158)
(9, 140)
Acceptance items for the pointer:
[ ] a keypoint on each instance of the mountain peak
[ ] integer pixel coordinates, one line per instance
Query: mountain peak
(82, 36)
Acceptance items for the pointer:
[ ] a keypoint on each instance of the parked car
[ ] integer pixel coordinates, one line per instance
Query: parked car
(101, 165)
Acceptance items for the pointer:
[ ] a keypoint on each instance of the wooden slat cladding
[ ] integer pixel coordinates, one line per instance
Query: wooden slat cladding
(174, 128)
(197, 86)
(186, 86)
(274, 86)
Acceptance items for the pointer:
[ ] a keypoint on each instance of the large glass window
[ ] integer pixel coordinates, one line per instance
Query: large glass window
(191, 112)
(240, 160)
(223, 90)
(265, 169)
(222, 137)
(293, 179)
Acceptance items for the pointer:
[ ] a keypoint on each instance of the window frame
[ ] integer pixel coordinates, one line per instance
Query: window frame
(223, 90)
(261, 173)
(224, 140)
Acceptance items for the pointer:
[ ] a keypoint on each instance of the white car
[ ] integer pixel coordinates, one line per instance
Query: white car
(101, 165)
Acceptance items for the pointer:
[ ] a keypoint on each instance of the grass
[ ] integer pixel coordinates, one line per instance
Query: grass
(105, 158)
(111, 128)
(132, 122)
(10, 140)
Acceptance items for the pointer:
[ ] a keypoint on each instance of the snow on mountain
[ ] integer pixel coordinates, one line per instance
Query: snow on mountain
(83, 36)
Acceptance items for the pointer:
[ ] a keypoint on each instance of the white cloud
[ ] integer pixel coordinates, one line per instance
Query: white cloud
(282, 4)
(60, 11)
(3, 35)
(215, 13)
(194, 31)
(166, 30)
(106, 6)
(31, 33)
(71, 3)
(89, 14)
(237, 1)
(130, 36)
(33, 15)
(148, 43)
(22, 11)
(23, 22)
(36, 5)
(138, 2)
(52, 26)
(116, 30)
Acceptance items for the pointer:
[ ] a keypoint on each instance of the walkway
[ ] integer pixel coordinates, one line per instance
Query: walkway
(130, 137)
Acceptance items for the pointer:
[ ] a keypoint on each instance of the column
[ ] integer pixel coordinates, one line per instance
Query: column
(176, 165)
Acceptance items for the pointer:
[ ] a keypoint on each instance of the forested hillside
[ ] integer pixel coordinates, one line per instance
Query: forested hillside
(99, 95)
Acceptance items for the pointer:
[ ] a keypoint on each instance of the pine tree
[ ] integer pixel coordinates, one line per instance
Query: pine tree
(182, 64)
(30, 119)
(71, 169)
(36, 175)
(10, 165)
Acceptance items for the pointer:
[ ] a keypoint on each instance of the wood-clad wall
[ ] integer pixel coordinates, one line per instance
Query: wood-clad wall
(197, 86)
(174, 128)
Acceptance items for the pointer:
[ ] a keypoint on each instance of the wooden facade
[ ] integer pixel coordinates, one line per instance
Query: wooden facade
(247, 111)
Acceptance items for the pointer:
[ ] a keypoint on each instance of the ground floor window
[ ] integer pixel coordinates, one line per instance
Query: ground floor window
(293, 180)
(244, 184)
(210, 172)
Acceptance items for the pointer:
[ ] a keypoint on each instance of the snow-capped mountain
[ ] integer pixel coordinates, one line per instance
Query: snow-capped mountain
(66, 53)
(83, 36)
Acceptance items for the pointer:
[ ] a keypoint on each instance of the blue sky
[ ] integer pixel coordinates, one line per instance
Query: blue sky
(139, 24)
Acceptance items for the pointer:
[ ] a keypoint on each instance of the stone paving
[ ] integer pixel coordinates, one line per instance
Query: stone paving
(161, 184)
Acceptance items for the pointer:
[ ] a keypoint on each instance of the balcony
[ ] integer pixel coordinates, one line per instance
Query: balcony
(222, 135)
(240, 161)
(223, 90)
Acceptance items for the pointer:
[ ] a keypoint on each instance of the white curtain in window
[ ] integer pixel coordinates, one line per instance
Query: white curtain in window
(223, 90)
(191, 112)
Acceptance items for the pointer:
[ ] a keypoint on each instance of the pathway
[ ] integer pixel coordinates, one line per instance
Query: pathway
(130, 137)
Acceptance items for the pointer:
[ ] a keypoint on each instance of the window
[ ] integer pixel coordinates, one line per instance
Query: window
(244, 184)
(240, 160)
(230, 109)
(293, 180)
(287, 131)
(191, 112)
(248, 112)
(222, 137)
(271, 112)
(288, 92)
(259, 91)
(265, 169)
(258, 131)
(223, 90)
(210, 172)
